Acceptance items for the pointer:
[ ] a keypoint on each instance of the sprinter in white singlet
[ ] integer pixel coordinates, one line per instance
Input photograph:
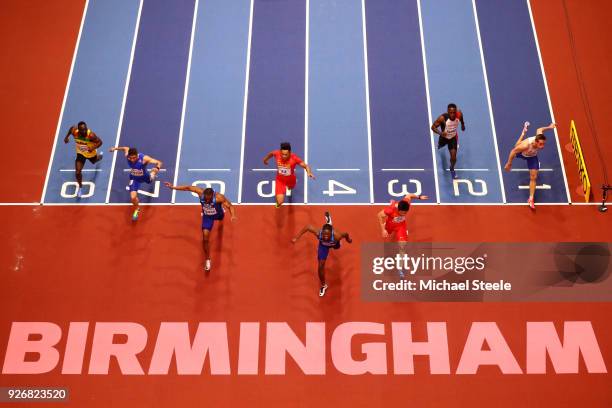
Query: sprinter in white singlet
(446, 127)
(527, 149)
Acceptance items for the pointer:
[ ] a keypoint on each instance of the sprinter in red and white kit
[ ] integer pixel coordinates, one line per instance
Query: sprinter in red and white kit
(392, 222)
(393, 218)
(285, 174)
(446, 126)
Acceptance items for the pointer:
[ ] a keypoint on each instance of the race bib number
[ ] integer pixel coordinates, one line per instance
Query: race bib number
(399, 219)
(209, 211)
(284, 171)
(136, 172)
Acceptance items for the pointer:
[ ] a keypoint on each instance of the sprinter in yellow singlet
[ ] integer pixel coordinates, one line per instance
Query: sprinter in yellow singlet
(86, 144)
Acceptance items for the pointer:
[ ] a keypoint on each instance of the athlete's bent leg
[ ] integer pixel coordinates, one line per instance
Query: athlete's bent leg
(453, 159)
(533, 179)
(280, 199)
(78, 167)
(205, 243)
(134, 199)
(321, 271)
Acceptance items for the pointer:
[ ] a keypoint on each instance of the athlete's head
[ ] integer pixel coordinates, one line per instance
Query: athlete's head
(132, 154)
(451, 109)
(540, 141)
(208, 194)
(326, 232)
(285, 150)
(82, 128)
(403, 207)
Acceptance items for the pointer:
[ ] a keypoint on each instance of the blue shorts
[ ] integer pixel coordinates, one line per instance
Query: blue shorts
(136, 180)
(209, 220)
(323, 251)
(532, 162)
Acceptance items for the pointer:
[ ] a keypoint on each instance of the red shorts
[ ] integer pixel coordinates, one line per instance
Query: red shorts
(400, 230)
(283, 183)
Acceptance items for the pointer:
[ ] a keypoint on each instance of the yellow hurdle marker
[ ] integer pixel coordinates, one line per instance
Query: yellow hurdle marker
(582, 169)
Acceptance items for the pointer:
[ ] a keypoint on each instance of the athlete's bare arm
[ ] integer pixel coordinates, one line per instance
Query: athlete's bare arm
(519, 147)
(67, 138)
(227, 204)
(193, 189)
(307, 228)
(436, 127)
(460, 116)
(97, 142)
(541, 130)
(151, 160)
(338, 236)
(410, 196)
(308, 170)
(382, 219)
(268, 157)
(124, 149)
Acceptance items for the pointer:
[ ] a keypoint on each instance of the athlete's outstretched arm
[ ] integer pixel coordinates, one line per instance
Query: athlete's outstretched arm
(307, 228)
(96, 141)
(227, 204)
(268, 157)
(519, 148)
(410, 196)
(308, 170)
(124, 149)
(193, 189)
(340, 235)
(541, 130)
(155, 162)
(460, 116)
(382, 218)
(436, 126)
(67, 137)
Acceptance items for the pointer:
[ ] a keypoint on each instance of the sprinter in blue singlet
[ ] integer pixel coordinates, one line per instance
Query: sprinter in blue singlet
(213, 209)
(137, 163)
(328, 239)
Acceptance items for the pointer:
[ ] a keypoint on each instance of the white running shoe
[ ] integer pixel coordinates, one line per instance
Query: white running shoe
(207, 265)
(328, 219)
(79, 193)
(322, 290)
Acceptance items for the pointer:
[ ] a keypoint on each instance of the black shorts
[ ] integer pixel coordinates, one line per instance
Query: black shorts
(82, 159)
(452, 144)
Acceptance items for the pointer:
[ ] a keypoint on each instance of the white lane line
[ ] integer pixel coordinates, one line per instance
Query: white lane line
(61, 116)
(402, 169)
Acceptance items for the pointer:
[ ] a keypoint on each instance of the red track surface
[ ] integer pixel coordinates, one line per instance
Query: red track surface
(593, 49)
(151, 272)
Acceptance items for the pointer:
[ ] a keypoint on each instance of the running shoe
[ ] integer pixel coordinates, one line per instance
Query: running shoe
(453, 174)
(531, 203)
(135, 214)
(79, 193)
(207, 265)
(322, 290)
(328, 219)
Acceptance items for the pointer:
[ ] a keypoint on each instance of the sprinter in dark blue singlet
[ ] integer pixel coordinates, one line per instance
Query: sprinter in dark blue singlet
(213, 209)
(328, 239)
(138, 173)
